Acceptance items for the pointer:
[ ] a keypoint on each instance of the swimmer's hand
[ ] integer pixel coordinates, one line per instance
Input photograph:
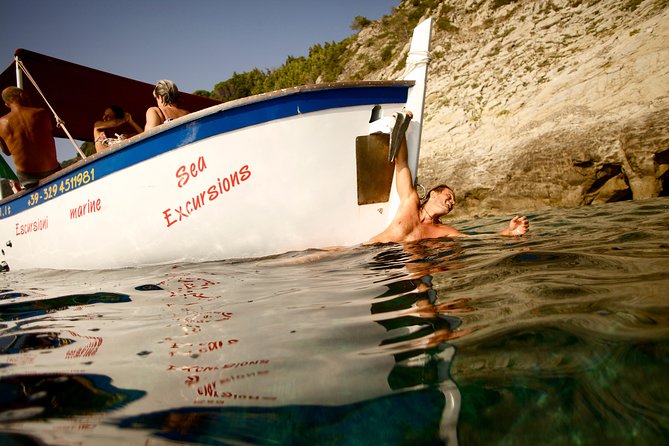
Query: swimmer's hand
(517, 226)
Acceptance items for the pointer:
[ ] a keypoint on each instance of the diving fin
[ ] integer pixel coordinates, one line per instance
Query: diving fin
(402, 120)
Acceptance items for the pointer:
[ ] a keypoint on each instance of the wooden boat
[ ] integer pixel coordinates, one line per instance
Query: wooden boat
(299, 168)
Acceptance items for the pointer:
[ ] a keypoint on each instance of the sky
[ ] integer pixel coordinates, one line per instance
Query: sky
(195, 43)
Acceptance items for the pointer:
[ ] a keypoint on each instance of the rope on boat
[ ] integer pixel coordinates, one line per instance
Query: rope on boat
(59, 122)
(416, 58)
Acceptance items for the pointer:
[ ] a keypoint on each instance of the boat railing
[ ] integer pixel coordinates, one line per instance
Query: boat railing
(237, 103)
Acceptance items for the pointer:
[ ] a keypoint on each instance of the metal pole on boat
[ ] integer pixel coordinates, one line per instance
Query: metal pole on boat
(19, 73)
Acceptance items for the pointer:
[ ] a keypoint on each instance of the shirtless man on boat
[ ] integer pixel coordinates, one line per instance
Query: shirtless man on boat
(415, 221)
(26, 134)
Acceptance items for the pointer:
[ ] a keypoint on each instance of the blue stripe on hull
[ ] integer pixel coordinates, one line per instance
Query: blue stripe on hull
(218, 122)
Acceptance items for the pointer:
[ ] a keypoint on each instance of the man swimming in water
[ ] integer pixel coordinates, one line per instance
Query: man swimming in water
(415, 221)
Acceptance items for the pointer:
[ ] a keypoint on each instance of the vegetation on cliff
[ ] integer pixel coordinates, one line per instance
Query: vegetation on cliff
(329, 62)
(323, 64)
(530, 103)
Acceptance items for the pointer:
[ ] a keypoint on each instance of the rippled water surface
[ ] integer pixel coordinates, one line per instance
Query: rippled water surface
(559, 337)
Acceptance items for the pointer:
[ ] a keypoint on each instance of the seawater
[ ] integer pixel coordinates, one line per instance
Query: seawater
(559, 337)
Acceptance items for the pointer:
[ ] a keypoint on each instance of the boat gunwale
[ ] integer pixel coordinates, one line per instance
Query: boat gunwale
(184, 120)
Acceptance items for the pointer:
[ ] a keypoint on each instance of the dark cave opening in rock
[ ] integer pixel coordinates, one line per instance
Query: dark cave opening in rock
(662, 163)
(664, 185)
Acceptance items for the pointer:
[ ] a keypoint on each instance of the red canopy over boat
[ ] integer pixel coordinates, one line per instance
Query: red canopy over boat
(79, 95)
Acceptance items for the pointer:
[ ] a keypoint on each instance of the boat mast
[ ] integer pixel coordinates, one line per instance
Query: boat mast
(19, 74)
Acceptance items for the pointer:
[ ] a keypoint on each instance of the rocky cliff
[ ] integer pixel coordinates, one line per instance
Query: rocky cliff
(549, 103)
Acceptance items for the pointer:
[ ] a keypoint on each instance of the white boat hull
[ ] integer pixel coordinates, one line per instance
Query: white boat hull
(293, 179)
(254, 177)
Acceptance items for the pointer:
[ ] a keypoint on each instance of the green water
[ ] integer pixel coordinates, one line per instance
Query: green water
(558, 337)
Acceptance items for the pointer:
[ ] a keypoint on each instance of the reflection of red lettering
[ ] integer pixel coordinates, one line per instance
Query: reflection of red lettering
(212, 368)
(236, 396)
(193, 379)
(245, 363)
(21, 360)
(207, 390)
(196, 368)
(83, 426)
(188, 348)
(90, 349)
(209, 316)
(186, 285)
(241, 376)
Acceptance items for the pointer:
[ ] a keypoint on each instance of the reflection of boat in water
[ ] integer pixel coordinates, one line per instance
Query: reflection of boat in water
(186, 361)
(289, 170)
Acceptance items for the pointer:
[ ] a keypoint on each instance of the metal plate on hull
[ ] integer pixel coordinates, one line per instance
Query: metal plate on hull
(374, 172)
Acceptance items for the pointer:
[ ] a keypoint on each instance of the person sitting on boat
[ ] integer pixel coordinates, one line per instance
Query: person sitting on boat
(415, 221)
(116, 125)
(26, 134)
(167, 97)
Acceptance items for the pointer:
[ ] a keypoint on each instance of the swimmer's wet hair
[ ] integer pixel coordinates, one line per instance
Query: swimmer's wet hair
(436, 189)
